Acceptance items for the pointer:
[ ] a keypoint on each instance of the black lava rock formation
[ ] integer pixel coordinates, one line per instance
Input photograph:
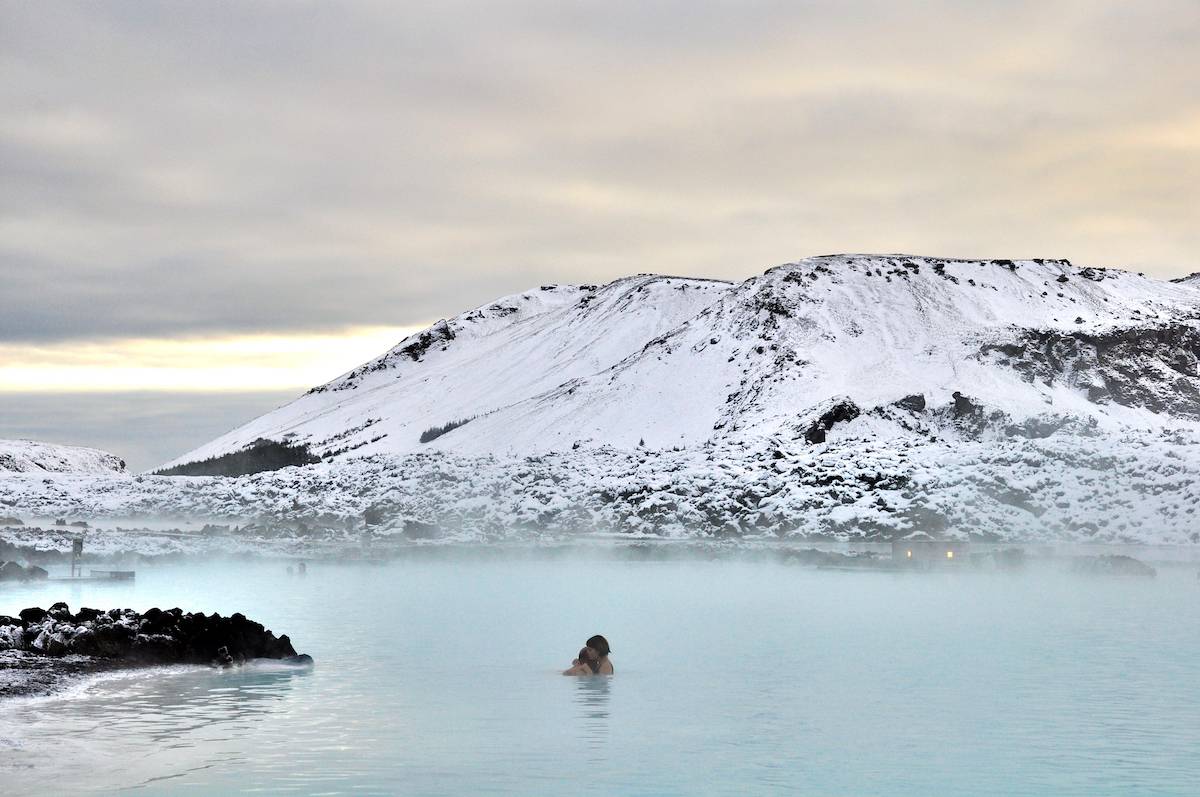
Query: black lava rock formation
(123, 637)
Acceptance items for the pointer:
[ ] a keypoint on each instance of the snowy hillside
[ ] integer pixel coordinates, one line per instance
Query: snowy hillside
(477, 363)
(27, 456)
(842, 397)
(845, 346)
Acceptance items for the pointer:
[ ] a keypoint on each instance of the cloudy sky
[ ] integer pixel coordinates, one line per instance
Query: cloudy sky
(220, 204)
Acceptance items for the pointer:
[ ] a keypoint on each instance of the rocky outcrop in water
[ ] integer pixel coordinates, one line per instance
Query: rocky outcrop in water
(14, 571)
(91, 639)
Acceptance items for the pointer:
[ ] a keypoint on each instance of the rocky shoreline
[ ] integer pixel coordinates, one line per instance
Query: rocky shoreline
(14, 571)
(41, 649)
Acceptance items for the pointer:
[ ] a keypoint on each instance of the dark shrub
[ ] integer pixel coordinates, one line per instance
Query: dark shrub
(435, 432)
(261, 455)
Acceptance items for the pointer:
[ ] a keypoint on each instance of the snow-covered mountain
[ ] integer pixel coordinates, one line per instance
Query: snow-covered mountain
(28, 456)
(837, 347)
(477, 363)
(842, 397)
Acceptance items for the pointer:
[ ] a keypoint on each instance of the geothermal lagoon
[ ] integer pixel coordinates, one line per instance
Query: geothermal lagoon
(737, 670)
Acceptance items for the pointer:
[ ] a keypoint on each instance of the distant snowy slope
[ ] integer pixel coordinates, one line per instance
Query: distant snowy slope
(477, 362)
(1020, 342)
(27, 456)
(842, 345)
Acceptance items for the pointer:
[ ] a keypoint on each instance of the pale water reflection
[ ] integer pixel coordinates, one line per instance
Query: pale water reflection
(592, 699)
(439, 675)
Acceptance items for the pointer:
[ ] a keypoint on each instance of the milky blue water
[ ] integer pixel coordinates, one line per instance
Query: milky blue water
(437, 674)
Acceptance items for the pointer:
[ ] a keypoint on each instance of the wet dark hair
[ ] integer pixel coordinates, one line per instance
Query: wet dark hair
(599, 644)
(588, 656)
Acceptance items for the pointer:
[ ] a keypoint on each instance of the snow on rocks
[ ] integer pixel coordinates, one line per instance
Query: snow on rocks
(1140, 487)
(27, 456)
(155, 637)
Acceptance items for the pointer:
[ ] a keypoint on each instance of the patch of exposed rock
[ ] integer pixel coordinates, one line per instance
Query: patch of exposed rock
(1154, 367)
(40, 647)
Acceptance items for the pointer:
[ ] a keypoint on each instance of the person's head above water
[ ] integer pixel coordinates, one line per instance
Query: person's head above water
(600, 645)
(589, 659)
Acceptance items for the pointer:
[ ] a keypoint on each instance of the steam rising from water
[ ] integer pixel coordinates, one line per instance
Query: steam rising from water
(735, 672)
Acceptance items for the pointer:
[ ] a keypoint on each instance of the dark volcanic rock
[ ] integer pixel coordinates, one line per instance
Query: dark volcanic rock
(13, 571)
(963, 406)
(122, 637)
(85, 614)
(913, 403)
(23, 673)
(1155, 368)
(840, 412)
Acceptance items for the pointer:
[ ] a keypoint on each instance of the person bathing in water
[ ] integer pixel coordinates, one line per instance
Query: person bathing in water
(593, 659)
(587, 663)
(600, 645)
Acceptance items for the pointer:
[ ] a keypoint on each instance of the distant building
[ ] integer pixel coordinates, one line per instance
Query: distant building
(921, 550)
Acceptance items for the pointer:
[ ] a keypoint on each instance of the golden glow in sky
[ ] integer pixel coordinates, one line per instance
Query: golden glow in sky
(218, 364)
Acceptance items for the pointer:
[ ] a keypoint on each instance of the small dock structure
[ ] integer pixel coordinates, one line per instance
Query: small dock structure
(112, 575)
(98, 575)
(93, 575)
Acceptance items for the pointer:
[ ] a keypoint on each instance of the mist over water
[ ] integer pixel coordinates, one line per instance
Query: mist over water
(145, 429)
(437, 673)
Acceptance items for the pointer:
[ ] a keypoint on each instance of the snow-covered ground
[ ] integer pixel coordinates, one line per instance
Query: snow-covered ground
(1136, 488)
(27, 456)
(844, 397)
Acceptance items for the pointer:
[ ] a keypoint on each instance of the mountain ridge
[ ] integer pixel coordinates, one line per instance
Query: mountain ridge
(974, 347)
(841, 397)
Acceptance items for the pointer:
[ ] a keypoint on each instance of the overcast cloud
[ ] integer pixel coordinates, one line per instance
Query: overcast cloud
(173, 169)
